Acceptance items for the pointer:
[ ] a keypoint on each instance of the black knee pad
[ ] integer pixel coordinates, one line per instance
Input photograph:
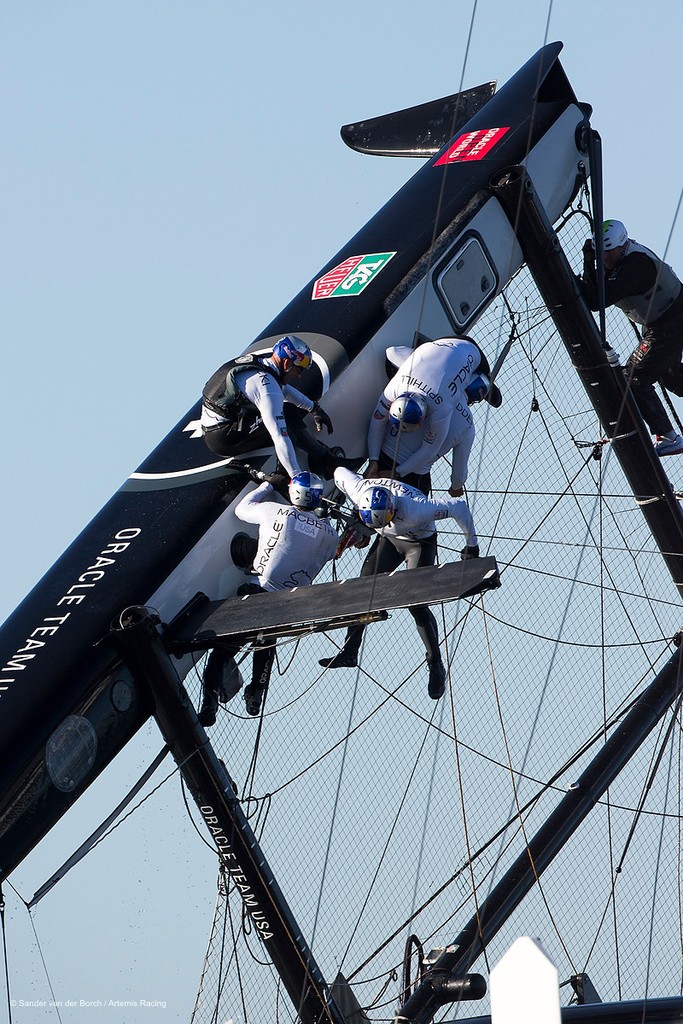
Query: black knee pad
(243, 550)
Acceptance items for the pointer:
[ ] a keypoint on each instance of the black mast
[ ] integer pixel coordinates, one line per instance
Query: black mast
(238, 848)
(606, 386)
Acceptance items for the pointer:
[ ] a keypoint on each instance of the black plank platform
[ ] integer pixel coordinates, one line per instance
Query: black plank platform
(330, 605)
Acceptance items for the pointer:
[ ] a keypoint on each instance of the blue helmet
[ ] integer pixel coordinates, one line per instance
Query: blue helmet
(305, 490)
(376, 507)
(407, 412)
(293, 348)
(478, 388)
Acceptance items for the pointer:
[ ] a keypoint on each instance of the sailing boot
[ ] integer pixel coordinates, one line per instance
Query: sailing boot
(207, 712)
(342, 659)
(426, 627)
(437, 678)
(253, 697)
(347, 657)
(669, 445)
(258, 687)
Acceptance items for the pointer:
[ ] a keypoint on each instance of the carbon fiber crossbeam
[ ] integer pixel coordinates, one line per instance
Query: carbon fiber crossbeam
(330, 605)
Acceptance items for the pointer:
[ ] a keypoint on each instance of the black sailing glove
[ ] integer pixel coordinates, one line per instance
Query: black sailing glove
(279, 482)
(321, 419)
(469, 552)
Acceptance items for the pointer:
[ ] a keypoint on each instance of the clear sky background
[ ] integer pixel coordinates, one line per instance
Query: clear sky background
(172, 174)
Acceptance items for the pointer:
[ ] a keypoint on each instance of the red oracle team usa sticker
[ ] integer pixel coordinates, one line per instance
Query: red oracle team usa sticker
(351, 276)
(472, 146)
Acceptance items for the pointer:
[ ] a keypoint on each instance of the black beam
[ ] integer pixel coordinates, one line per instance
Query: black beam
(606, 386)
(636, 1011)
(212, 788)
(520, 878)
(330, 605)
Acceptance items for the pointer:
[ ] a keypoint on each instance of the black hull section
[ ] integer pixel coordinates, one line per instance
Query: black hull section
(638, 1011)
(142, 548)
(434, 203)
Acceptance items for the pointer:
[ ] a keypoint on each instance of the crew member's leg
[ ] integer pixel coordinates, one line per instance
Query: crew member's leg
(425, 554)
(382, 557)
(221, 681)
(423, 481)
(670, 339)
(260, 677)
(234, 437)
(322, 459)
(646, 364)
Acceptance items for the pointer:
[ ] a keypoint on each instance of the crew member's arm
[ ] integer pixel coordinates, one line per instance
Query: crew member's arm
(635, 275)
(320, 417)
(437, 426)
(250, 508)
(378, 425)
(267, 396)
(460, 456)
(349, 483)
(456, 508)
(298, 398)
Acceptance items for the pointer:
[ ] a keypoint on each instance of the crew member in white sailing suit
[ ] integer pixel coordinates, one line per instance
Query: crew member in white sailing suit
(437, 375)
(651, 296)
(405, 521)
(294, 543)
(252, 390)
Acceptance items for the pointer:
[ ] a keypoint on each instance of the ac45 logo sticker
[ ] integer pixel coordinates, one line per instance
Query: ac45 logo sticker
(351, 276)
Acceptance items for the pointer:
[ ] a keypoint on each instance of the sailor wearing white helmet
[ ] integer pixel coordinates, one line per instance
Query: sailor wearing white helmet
(651, 296)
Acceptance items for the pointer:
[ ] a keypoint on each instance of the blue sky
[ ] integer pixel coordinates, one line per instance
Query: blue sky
(172, 175)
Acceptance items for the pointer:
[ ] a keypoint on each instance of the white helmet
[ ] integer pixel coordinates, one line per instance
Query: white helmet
(614, 235)
(376, 507)
(305, 490)
(407, 412)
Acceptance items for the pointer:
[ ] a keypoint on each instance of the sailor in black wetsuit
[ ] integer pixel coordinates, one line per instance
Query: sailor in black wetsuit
(651, 295)
(251, 391)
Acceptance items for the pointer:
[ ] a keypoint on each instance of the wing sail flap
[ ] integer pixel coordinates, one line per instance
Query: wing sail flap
(419, 131)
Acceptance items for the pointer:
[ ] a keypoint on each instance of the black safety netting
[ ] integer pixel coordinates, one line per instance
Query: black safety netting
(383, 813)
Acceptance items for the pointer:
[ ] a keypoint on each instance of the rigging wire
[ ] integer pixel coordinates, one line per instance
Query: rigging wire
(658, 861)
(388, 841)
(603, 673)
(3, 924)
(428, 803)
(55, 1003)
(517, 775)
